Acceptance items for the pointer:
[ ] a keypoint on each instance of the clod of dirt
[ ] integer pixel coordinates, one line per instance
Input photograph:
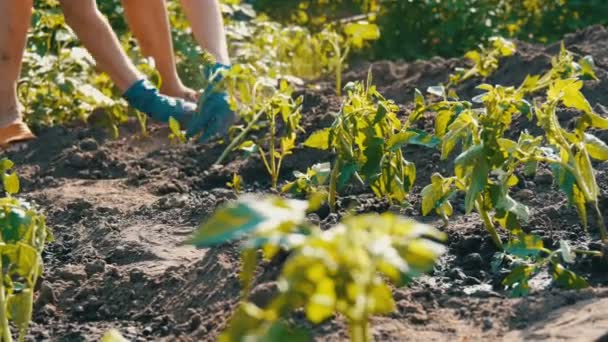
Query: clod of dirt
(97, 266)
(73, 273)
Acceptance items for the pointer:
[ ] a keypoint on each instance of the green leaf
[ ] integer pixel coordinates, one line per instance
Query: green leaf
(525, 246)
(569, 92)
(321, 304)
(567, 279)
(583, 163)
(20, 308)
(346, 173)
(360, 32)
(113, 335)
(249, 260)
(518, 280)
(236, 219)
(597, 148)
(423, 138)
(442, 121)
(319, 139)
(438, 90)
(470, 156)
(373, 156)
(567, 255)
(587, 67)
(11, 183)
(479, 178)
(6, 164)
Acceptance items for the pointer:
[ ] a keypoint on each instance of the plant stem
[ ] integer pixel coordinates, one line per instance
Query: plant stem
(333, 184)
(5, 330)
(600, 222)
(359, 331)
(241, 135)
(273, 164)
(488, 224)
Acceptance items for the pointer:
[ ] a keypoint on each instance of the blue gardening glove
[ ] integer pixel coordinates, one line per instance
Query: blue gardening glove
(144, 97)
(214, 116)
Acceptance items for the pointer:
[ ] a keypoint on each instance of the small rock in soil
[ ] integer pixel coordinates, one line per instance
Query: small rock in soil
(73, 273)
(49, 310)
(97, 266)
(488, 324)
(473, 261)
(262, 294)
(472, 281)
(89, 144)
(544, 178)
(524, 195)
(78, 160)
(456, 274)
(46, 295)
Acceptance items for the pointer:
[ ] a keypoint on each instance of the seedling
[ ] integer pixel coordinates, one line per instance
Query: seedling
(236, 184)
(344, 270)
(528, 256)
(23, 236)
(313, 181)
(355, 35)
(367, 137)
(485, 60)
(176, 135)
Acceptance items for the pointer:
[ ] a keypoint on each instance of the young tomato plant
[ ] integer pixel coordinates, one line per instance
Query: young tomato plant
(339, 46)
(280, 139)
(570, 153)
(367, 137)
(527, 256)
(236, 184)
(344, 270)
(485, 60)
(313, 181)
(23, 235)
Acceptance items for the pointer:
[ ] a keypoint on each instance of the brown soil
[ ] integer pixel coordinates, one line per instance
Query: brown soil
(120, 210)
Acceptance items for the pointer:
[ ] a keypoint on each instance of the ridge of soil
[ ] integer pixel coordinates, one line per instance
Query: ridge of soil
(121, 209)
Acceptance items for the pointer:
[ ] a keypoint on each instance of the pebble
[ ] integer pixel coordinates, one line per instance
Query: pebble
(89, 144)
(456, 274)
(46, 294)
(544, 178)
(524, 195)
(97, 266)
(488, 324)
(473, 261)
(73, 273)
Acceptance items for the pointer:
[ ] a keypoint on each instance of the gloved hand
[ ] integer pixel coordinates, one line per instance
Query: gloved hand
(214, 116)
(144, 97)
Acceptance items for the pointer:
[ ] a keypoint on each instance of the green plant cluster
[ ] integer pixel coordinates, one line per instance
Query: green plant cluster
(60, 82)
(23, 234)
(345, 270)
(487, 166)
(427, 28)
(367, 137)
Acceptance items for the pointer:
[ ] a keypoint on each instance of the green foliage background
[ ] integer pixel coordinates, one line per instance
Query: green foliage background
(426, 28)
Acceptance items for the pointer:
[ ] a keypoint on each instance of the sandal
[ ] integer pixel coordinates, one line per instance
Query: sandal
(15, 132)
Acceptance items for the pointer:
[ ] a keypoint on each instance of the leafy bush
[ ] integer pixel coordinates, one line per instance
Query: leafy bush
(426, 28)
(344, 270)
